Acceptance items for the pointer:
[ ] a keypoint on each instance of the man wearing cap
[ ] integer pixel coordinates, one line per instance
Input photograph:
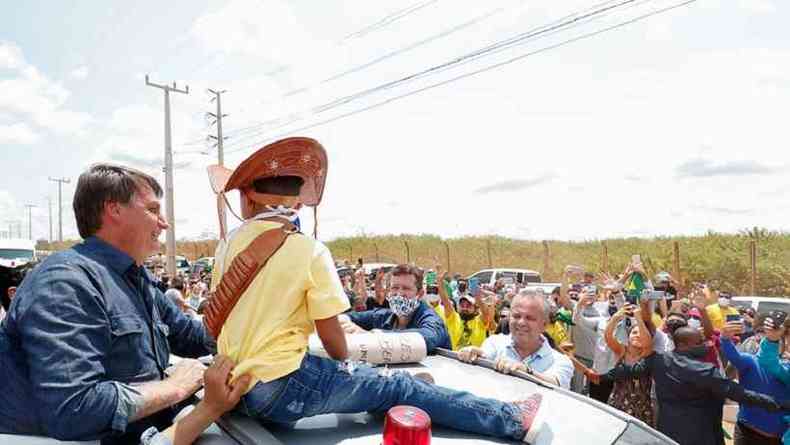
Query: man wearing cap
(286, 295)
(467, 326)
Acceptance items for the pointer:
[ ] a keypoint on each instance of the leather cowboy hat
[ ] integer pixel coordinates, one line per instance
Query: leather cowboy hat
(295, 156)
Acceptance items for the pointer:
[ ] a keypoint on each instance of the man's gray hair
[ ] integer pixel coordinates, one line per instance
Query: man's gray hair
(103, 183)
(535, 295)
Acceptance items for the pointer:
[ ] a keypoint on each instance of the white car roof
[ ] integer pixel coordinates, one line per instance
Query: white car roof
(23, 244)
(527, 271)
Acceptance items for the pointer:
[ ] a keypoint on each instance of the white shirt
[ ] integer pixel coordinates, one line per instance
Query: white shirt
(545, 360)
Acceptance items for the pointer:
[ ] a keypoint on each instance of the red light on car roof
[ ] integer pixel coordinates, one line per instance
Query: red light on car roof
(407, 425)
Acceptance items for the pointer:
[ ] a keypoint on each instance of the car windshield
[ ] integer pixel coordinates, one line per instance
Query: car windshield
(15, 254)
(768, 306)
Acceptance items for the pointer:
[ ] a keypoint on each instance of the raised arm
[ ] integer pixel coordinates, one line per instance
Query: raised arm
(449, 310)
(380, 291)
(699, 301)
(578, 316)
(768, 354)
(612, 342)
(739, 360)
(486, 310)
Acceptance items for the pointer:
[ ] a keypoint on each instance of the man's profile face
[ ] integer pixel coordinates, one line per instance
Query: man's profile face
(11, 292)
(142, 223)
(405, 285)
(526, 319)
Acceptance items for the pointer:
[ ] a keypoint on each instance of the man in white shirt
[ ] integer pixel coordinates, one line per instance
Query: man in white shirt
(525, 348)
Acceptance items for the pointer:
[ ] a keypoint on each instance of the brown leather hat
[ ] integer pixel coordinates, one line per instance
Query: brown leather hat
(296, 156)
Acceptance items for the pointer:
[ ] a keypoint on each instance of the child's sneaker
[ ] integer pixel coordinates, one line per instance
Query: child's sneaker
(533, 417)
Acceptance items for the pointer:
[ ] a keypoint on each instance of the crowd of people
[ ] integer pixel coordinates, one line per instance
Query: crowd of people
(86, 344)
(648, 347)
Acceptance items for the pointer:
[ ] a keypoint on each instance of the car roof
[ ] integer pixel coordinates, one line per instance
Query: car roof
(598, 423)
(756, 298)
(505, 269)
(17, 244)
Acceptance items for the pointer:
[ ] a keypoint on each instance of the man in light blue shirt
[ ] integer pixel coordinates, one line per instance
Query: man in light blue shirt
(525, 348)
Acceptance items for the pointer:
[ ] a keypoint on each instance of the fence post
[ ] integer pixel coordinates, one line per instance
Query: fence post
(376, 246)
(546, 254)
(408, 252)
(351, 253)
(488, 252)
(676, 262)
(753, 261)
(605, 258)
(447, 250)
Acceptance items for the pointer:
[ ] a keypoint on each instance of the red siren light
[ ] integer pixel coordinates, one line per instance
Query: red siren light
(407, 425)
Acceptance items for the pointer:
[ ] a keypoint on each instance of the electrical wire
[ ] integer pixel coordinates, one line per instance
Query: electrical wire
(564, 21)
(386, 20)
(475, 72)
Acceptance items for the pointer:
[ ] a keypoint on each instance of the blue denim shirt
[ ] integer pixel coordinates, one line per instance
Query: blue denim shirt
(84, 323)
(424, 320)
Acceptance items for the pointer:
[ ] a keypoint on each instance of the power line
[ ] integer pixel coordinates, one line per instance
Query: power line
(472, 73)
(386, 20)
(568, 21)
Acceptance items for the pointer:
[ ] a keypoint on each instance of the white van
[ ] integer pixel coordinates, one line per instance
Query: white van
(763, 304)
(511, 276)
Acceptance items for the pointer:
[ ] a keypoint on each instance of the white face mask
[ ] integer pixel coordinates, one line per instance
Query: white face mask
(432, 299)
(694, 323)
(724, 302)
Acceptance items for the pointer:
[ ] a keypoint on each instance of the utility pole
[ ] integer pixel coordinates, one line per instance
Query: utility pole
(49, 205)
(223, 220)
(171, 219)
(30, 220)
(60, 182)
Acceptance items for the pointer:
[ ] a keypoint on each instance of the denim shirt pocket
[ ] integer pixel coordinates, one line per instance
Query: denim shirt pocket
(162, 345)
(126, 357)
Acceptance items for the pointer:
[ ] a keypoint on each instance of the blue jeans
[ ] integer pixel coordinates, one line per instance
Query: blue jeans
(322, 386)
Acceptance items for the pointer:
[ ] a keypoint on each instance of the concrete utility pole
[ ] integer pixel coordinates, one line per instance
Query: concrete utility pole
(60, 182)
(171, 219)
(30, 220)
(223, 219)
(49, 205)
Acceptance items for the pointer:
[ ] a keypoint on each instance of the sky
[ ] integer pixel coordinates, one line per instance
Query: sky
(534, 119)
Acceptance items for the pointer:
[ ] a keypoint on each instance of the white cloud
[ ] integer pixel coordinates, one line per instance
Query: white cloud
(80, 73)
(30, 95)
(18, 133)
(757, 6)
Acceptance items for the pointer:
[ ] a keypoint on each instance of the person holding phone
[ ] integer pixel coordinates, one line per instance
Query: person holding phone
(755, 425)
(474, 319)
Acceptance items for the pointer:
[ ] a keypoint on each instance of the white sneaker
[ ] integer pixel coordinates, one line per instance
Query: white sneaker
(533, 410)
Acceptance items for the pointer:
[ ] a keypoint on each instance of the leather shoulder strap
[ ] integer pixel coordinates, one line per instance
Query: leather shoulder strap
(242, 271)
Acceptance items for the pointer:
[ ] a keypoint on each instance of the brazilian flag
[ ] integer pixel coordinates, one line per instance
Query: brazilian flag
(634, 286)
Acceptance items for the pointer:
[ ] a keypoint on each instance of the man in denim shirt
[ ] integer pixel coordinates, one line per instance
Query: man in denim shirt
(84, 347)
(407, 311)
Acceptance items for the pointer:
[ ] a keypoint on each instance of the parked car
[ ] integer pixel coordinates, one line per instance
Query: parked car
(205, 264)
(763, 304)
(512, 276)
(371, 269)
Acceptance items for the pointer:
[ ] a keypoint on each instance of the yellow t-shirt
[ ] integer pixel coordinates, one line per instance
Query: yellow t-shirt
(718, 315)
(266, 332)
(658, 322)
(557, 332)
(439, 309)
(463, 334)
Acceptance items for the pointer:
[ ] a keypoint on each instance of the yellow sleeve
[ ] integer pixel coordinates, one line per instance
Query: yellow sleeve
(325, 297)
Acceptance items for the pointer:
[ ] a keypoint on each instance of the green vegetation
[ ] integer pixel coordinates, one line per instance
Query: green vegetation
(720, 259)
